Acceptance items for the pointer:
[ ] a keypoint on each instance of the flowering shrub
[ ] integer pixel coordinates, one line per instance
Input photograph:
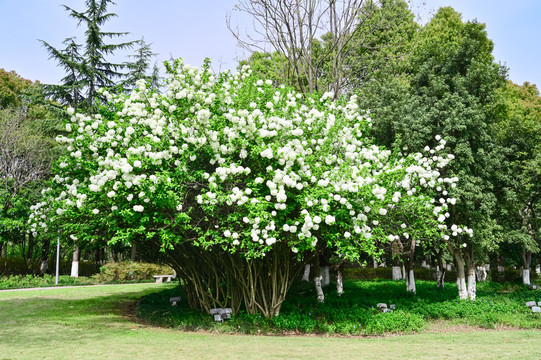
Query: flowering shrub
(231, 164)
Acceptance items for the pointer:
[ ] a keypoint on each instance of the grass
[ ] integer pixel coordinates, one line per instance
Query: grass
(355, 312)
(95, 323)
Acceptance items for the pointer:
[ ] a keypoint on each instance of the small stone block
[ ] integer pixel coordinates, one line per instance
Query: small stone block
(539, 303)
(392, 306)
(382, 305)
(531, 303)
(534, 287)
(215, 311)
(175, 299)
(227, 311)
(226, 316)
(385, 310)
(218, 317)
(536, 309)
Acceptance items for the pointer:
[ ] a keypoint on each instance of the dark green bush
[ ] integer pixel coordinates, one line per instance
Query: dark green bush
(30, 281)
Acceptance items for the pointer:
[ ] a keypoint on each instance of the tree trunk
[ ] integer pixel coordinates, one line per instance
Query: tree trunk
(339, 282)
(481, 273)
(30, 252)
(472, 284)
(397, 273)
(306, 274)
(410, 278)
(397, 266)
(3, 251)
(133, 254)
(460, 274)
(44, 264)
(325, 276)
(440, 270)
(526, 259)
(317, 281)
(375, 263)
(75, 262)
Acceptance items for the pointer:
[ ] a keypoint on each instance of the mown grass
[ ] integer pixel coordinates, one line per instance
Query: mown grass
(355, 312)
(96, 323)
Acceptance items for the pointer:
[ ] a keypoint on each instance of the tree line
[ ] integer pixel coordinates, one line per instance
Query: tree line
(434, 88)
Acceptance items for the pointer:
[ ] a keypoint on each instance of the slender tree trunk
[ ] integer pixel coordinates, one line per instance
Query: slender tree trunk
(440, 271)
(472, 282)
(339, 282)
(75, 261)
(44, 264)
(133, 254)
(30, 251)
(325, 276)
(397, 266)
(460, 274)
(306, 274)
(526, 259)
(318, 280)
(410, 278)
(3, 251)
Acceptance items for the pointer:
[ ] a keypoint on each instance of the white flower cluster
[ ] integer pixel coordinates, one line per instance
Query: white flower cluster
(295, 169)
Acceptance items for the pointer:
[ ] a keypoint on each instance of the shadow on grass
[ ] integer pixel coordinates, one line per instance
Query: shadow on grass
(47, 318)
(356, 313)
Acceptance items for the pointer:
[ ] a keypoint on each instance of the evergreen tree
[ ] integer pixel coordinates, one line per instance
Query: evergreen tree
(89, 71)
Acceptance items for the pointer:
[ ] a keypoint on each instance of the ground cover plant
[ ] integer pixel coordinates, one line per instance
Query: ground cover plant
(98, 323)
(356, 312)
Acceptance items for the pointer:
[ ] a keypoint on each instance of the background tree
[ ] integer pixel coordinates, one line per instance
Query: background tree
(139, 68)
(293, 28)
(450, 90)
(520, 191)
(86, 65)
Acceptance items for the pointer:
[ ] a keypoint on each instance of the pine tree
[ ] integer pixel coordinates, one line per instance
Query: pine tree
(89, 71)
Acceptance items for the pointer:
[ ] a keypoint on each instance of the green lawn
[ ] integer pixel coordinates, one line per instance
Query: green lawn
(95, 323)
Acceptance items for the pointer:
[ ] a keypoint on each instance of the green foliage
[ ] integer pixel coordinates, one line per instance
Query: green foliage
(11, 88)
(31, 281)
(131, 271)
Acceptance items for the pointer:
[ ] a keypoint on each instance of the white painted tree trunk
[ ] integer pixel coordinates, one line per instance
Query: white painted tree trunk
(449, 267)
(526, 276)
(44, 266)
(462, 290)
(538, 269)
(501, 269)
(403, 271)
(397, 273)
(339, 283)
(440, 277)
(410, 282)
(487, 267)
(319, 289)
(481, 273)
(75, 262)
(423, 264)
(375, 263)
(306, 275)
(325, 276)
(472, 285)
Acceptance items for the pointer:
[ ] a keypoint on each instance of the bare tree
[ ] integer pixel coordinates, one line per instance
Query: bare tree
(292, 28)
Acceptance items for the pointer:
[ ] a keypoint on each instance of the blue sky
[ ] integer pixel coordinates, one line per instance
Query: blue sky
(195, 29)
